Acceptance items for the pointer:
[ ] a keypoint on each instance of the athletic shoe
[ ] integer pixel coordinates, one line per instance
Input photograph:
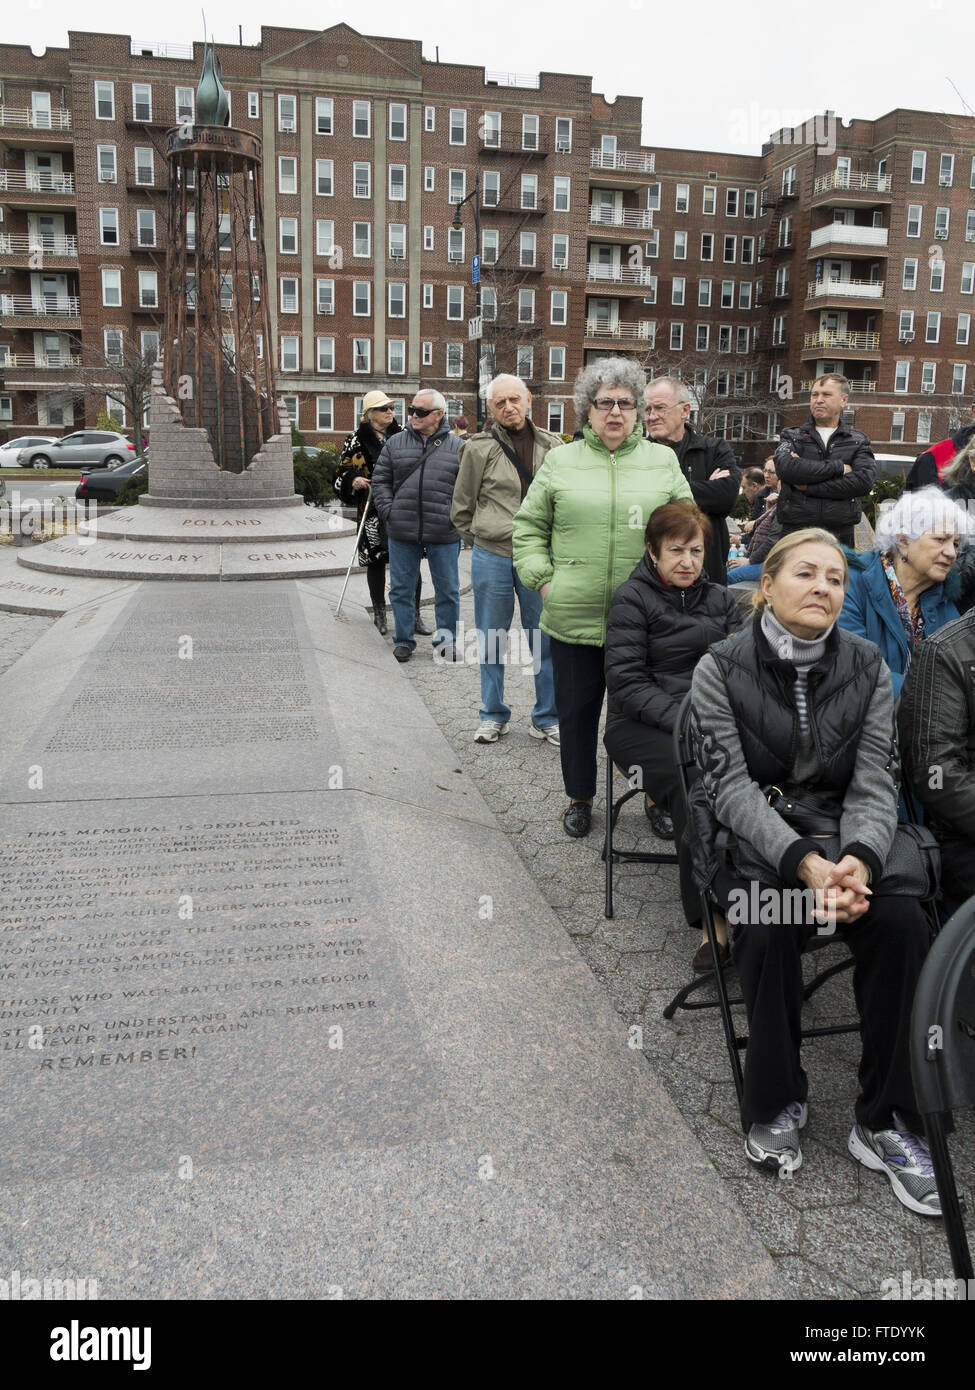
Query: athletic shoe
(490, 731)
(549, 732)
(905, 1158)
(776, 1145)
(577, 819)
(402, 652)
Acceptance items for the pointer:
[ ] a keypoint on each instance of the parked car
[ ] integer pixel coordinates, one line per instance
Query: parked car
(96, 448)
(105, 484)
(9, 452)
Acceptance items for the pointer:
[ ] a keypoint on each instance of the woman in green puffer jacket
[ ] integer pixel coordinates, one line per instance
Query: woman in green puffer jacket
(577, 537)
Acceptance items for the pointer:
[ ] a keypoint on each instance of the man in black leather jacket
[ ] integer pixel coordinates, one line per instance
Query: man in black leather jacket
(824, 467)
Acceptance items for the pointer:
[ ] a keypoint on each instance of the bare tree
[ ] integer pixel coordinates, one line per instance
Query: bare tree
(720, 384)
(120, 372)
(512, 330)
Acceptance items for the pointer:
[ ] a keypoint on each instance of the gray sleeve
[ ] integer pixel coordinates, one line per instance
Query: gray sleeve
(736, 801)
(870, 805)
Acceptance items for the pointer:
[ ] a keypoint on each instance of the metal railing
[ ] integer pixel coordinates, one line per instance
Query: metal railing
(597, 328)
(509, 79)
(855, 342)
(625, 217)
(845, 289)
(632, 160)
(143, 48)
(625, 275)
(857, 388)
(850, 236)
(45, 361)
(35, 181)
(29, 306)
(857, 183)
(11, 245)
(28, 119)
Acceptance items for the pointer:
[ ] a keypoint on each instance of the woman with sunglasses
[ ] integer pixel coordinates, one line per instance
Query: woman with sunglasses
(358, 458)
(577, 536)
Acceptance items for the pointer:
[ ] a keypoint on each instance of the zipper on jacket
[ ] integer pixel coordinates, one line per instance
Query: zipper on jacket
(612, 522)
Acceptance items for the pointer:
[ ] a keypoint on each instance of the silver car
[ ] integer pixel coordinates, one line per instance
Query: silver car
(88, 448)
(10, 451)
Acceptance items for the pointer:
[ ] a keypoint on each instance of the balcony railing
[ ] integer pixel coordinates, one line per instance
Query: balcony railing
(47, 245)
(845, 289)
(144, 48)
(853, 342)
(848, 236)
(599, 328)
(510, 79)
(625, 217)
(26, 119)
(631, 160)
(43, 361)
(857, 388)
(62, 306)
(35, 181)
(857, 183)
(625, 275)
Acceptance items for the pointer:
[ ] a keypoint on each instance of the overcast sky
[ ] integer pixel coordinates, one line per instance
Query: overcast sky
(718, 76)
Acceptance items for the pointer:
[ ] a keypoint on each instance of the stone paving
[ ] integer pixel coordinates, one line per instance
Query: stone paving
(18, 633)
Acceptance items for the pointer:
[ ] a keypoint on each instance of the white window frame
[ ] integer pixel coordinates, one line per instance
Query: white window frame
(362, 115)
(324, 115)
(556, 364)
(559, 308)
(561, 193)
(111, 288)
(100, 152)
(428, 296)
(396, 345)
(325, 414)
(145, 90)
(361, 356)
(287, 123)
(396, 289)
(108, 222)
(358, 183)
(283, 232)
(149, 215)
(915, 217)
(429, 178)
(324, 178)
(357, 241)
(455, 303)
(678, 290)
(397, 183)
(362, 295)
(287, 176)
(902, 378)
(253, 106)
(325, 349)
(324, 296)
(919, 163)
(106, 96)
(457, 124)
(324, 236)
(530, 135)
(909, 273)
(403, 120)
(682, 197)
(680, 245)
(148, 285)
(429, 118)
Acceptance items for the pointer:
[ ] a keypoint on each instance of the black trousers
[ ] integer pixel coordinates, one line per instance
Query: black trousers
(650, 750)
(957, 871)
(580, 684)
(844, 534)
(889, 943)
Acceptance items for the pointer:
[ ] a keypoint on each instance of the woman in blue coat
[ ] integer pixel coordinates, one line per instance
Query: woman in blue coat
(905, 588)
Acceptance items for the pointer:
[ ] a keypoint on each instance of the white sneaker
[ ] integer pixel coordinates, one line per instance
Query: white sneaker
(550, 733)
(490, 731)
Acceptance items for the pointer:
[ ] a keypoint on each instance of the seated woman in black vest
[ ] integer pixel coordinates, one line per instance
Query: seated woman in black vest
(796, 711)
(660, 623)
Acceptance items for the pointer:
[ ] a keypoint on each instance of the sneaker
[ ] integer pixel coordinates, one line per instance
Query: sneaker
(776, 1145)
(549, 732)
(905, 1158)
(490, 731)
(402, 652)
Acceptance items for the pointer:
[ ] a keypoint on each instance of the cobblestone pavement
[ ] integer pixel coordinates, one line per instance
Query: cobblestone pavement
(835, 1229)
(18, 633)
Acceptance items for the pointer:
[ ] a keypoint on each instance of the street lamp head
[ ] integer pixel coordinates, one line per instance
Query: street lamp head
(457, 224)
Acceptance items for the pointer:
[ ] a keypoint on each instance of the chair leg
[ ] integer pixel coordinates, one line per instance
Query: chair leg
(608, 849)
(727, 1022)
(961, 1257)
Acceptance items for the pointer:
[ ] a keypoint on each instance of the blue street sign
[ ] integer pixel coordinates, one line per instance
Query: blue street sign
(475, 269)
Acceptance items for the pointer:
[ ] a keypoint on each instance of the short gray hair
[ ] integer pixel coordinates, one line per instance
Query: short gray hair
(914, 514)
(504, 376)
(680, 392)
(439, 402)
(606, 371)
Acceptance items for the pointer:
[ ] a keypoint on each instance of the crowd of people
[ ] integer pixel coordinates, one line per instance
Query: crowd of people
(616, 547)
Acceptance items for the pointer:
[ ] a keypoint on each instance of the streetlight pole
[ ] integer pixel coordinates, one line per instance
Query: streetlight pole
(474, 197)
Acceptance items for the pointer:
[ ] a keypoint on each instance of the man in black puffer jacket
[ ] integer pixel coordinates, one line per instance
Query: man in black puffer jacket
(824, 467)
(413, 487)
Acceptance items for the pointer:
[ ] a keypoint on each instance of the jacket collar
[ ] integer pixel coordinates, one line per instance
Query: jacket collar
(424, 439)
(811, 427)
(624, 447)
(649, 574)
(768, 657)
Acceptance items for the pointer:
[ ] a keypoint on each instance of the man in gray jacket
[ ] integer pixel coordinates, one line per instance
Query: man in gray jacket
(413, 486)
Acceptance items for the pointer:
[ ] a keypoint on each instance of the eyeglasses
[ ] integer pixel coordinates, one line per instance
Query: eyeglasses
(607, 404)
(659, 409)
(419, 411)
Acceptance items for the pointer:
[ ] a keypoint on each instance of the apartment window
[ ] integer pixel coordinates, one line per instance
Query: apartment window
(287, 113)
(288, 236)
(145, 221)
(750, 203)
(942, 218)
(702, 337)
(556, 364)
(426, 353)
(727, 294)
(778, 330)
(491, 128)
(397, 299)
(937, 276)
(924, 427)
(747, 250)
(362, 179)
(361, 355)
(259, 346)
(429, 118)
(677, 288)
(141, 101)
(105, 101)
(653, 197)
(676, 337)
(902, 374)
(526, 306)
(428, 296)
(362, 239)
(113, 345)
(256, 288)
(325, 412)
(107, 168)
(396, 356)
(559, 307)
(914, 212)
(744, 294)
(525, 363)
(680, 246)
(682, 197)
(563, 194)
(789, 179)
(397, 183)
(970, 225)
(455, 359)
(456, 185)
(190, 290)
(741, 340)
(704, 294)
(287, 174)
(490, 188)
(785, 232)
(149, 344)
(529, 132)
(526, 254)
(724, 337)
(709, 201)
(731, 202)
(226, 291)
(958, 379)
(108, 226)
(650, 285)
(428, 238)
(325, 296)
(324, 236)
(324, 115)
(489, 303)
(289, 294)
(489, 247)
(919, 161)
(897, 426)
(651, 248)
(967, 276)
(730, 250)
(397, 120)
(906, 323)
(458, 126)
(782, 281)
(928, 372)
(556, 417)
(290, 404)
(397, 240)
(325, 354)
(148, 289)
(963, 331)
(361, 298)
(455, 301)
(111, 288)
(362, 119)
(325, 178)
(707, 245)
(185, 106)
(721, 380)
(253, 105)
(455, 243)
(529, 191)
(909, 279)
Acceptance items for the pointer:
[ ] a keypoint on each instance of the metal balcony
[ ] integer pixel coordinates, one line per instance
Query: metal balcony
(629, 161)
(24, 118)
(843, 235)
(36, 181)
(42, 361)
(625, 275)
(639, 218)
(24, 246)
(835, 342)
(857, 388)
(599, 328)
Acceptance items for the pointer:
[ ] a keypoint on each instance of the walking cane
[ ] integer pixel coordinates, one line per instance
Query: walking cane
(355, 548)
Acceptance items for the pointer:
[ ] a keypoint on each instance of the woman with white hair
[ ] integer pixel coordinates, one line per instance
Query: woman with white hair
(577, 536)
(905, 588)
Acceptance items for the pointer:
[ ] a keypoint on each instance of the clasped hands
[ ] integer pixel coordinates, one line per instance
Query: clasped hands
(841, 890)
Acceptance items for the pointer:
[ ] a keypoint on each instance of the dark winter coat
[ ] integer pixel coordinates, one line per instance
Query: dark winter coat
(413, 485)
(936, 718)
(655, 635)
(832, 497)
(699, 456)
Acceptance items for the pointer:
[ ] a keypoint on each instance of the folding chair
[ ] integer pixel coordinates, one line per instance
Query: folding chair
(943, 1059)
(735, 1042)
(613, 856)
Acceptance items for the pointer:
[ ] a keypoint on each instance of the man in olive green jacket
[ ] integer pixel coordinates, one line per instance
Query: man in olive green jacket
(495, 472)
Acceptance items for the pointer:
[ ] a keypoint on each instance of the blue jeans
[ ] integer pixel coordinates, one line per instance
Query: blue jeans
(496, 582)
(744, 573)
(404, 571)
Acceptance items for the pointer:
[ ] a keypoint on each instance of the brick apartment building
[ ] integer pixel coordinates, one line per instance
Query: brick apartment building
(845, 250)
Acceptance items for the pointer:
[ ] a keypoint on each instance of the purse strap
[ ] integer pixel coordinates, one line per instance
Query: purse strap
(523, 472)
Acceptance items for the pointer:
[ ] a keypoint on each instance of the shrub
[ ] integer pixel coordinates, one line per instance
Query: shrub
(132, 489)
(887, 485)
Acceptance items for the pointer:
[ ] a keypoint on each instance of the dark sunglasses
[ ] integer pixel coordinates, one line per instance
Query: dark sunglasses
(419, 411)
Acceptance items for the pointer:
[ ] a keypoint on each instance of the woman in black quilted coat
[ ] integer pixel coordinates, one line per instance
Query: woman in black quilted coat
(358, 458)
(661, 622)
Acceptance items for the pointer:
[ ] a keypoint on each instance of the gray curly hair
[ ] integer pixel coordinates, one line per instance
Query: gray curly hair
(606, 372)
(914, 514)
